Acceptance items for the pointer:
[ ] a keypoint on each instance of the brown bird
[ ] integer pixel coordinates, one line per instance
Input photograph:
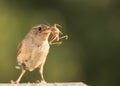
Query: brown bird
(34, 48)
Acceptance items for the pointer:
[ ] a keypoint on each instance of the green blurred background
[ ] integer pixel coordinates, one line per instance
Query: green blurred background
(92, 53)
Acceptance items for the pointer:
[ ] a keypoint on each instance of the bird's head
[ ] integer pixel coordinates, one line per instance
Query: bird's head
(41, 31)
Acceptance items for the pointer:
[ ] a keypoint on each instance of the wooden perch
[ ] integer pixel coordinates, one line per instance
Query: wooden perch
(45, 84)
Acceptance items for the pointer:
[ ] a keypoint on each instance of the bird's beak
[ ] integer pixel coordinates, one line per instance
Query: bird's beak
(47, 30)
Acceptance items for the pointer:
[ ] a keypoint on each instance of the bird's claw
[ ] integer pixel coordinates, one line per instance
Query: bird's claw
(42, 81)
(14, 82)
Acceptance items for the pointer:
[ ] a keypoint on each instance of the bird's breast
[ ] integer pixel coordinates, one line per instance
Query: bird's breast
(43, 47)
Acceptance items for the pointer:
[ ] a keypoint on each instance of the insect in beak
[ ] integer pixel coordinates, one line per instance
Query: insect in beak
(56, 32)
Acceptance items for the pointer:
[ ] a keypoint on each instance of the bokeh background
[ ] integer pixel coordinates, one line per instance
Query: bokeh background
(92, 53)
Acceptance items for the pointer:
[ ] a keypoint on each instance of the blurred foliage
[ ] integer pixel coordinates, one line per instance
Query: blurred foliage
(92, 53)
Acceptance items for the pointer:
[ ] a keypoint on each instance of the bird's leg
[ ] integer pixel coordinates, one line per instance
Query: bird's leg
(22, 73)
(41, 73)
(19, 78)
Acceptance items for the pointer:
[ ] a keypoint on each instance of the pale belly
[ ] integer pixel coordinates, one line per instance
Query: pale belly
(35, 57)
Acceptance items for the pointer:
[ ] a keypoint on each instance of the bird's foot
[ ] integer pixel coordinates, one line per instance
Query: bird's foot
(38, 81)
(42, 81)
(14, 82)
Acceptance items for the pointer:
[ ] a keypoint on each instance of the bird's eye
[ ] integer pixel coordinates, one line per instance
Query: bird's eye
(39, 28)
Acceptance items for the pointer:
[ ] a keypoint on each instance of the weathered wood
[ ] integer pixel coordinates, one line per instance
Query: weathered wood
(45, 84)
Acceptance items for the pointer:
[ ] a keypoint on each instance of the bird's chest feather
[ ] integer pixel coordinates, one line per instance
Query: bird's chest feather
(40, 50)
(43, 47)
(40, 46)
(37, 56)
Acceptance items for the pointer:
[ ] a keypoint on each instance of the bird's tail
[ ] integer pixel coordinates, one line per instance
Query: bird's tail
(17, 67)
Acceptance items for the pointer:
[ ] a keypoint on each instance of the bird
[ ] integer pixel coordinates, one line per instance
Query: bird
(33, 50)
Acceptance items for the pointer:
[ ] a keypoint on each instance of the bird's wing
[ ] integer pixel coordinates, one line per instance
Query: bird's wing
(19, 48)
(24, 52)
